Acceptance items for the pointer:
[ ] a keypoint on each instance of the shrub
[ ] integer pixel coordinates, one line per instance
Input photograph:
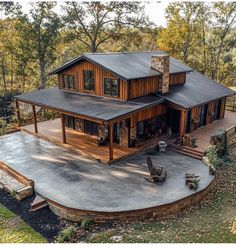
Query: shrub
(86, 223)
(213, 156)
(66, 234)
(3, 127)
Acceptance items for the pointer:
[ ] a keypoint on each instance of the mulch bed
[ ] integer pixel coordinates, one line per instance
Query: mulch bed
(43, 221)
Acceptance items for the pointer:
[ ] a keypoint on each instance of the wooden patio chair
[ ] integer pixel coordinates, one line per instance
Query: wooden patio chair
(157, 174)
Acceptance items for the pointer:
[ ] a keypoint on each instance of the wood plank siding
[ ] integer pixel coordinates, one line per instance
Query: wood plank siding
(142, 87)
(99, 75)
(177, 78)
(150, 112)
(211, 109)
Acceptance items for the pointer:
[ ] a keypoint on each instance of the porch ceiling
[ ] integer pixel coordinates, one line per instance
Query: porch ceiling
(95, 107)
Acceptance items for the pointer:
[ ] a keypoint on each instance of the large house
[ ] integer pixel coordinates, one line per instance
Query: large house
(124, 97)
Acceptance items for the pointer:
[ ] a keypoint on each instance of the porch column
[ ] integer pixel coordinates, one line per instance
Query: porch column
(182, 124)
(35, 119)
(63, 128)
(111, 141)
(18, 112)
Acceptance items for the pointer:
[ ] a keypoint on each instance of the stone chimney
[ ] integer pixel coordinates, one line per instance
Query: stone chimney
(161, 63)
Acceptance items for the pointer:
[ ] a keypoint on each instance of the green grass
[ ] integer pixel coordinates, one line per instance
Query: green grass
(210, 223)
(15, 230)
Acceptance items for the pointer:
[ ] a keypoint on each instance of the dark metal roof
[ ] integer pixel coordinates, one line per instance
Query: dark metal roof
(197, 90)
(100, 108)
(127, 65)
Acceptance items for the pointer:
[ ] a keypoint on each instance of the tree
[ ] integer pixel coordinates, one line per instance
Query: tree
(94, 23)
(225, 18)
(42, 29)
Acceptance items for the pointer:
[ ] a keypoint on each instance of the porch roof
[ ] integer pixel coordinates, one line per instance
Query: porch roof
(95, 107)
(197, 90)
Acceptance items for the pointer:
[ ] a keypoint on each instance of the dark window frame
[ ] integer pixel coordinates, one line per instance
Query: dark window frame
(70, 84)
(110, 92)
(89, 80)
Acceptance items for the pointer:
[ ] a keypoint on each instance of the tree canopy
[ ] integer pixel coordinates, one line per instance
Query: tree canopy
(202, 35)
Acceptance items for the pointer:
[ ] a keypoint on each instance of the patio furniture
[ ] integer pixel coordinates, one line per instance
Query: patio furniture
(157, 174)
(162, 146)
(192, 181)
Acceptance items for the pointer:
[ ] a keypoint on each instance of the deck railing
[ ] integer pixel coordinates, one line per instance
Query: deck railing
(231, 103)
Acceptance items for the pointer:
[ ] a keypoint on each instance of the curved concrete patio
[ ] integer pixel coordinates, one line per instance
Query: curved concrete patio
(74, 181)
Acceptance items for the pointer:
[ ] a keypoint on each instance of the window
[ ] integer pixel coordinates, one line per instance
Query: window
(89, 80)
(111, 87)
(140, 128)
(68, 81)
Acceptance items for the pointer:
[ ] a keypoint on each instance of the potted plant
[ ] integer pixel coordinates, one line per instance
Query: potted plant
(194, 184)
(193, 142)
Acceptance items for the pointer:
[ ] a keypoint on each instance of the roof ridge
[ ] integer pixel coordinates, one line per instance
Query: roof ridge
(125, 52)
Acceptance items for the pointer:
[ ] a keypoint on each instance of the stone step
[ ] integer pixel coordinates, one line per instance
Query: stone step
(24, 192)
(38, 203)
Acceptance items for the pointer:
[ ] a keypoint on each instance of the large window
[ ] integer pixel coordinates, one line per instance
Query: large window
(89, 80)
(111, 87)
(68, 81)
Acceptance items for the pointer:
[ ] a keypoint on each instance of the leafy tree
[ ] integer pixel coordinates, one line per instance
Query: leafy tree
(94, 23)
(42, 28)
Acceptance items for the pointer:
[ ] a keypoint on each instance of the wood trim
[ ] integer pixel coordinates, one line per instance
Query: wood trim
(182, 124)
(111, 141)
(18, 112)
(35, 119)
(63, 128)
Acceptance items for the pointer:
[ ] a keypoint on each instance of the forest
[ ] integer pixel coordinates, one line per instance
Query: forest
(33, 42)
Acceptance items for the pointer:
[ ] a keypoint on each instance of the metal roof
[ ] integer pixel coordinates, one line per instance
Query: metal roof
(127, 65)
(100, 108)
(197, 90)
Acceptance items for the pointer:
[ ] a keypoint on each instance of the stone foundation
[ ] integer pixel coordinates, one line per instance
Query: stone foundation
(102, 132)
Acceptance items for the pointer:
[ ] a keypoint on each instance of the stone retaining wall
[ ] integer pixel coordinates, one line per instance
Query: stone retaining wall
(158, 211)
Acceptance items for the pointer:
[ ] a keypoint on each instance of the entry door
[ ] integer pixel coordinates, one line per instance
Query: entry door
(173, 120)
(116, 133)
(217, 110)
(188, 121)
(203, 115)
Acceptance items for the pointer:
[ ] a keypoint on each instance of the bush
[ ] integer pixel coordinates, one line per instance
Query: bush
(3, 127)
(213, 156)
(66, 234)
(86, 223)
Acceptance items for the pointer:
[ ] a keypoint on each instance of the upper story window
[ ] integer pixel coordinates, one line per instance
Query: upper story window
(89, 80)
(68, 81)
(111, 87)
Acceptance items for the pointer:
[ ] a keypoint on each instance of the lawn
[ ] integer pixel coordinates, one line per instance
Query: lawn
(213, 221)
(15, 230)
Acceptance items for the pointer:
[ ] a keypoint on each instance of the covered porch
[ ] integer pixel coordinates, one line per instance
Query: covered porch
(97, 127)
(204, 133)
(84, 143)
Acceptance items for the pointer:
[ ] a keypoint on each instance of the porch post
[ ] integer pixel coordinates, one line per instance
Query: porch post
(18, 112)
(63, 128)
(182, 124)
(35, 119)
(111, 141)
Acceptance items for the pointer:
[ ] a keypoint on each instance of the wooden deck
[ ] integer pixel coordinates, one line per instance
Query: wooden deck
(204, 133)
(83, 143)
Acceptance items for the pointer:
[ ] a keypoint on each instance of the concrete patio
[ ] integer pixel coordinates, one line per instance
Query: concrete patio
(74, 181)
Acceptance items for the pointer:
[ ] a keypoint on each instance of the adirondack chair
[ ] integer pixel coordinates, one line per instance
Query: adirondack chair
(158, 173)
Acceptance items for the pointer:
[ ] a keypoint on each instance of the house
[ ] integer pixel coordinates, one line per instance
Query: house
(124, 97)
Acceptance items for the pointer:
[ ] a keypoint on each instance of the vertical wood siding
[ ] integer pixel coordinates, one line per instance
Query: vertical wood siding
(99, 75)
(142, 87)
(150, 112)
(177, 78)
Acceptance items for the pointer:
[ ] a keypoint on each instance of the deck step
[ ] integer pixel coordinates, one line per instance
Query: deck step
(190, 154)
(38, 203)
(191, 151)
